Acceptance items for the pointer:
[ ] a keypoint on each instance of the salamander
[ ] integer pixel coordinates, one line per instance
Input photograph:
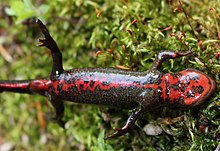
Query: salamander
(139, 91)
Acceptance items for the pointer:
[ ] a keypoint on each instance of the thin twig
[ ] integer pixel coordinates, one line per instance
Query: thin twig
(187, 18)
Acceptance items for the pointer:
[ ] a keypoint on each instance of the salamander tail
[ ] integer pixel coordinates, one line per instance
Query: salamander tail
(20, 86)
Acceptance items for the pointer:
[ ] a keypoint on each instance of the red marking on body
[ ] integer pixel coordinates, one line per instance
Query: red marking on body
(55, 85)
(65, 86)
(99, 82)
(87, 86)
(78, 83)
(82, 85)
(163, 85)
(153, 86)
(174, 94)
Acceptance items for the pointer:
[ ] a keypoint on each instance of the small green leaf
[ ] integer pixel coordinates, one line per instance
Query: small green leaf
(22, 10)
(43, 9)
(210, 41)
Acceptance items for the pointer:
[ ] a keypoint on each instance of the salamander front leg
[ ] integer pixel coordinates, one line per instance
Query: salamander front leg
(59, 110)
(130, 122)
(168, 54)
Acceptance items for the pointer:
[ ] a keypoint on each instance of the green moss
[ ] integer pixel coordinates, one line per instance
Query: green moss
(135, 31)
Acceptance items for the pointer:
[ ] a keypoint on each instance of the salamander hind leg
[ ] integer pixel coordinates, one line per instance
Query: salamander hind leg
(49, 42)
(59, 110)
(130, 122)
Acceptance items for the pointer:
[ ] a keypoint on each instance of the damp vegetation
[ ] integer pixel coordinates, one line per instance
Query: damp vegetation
(123, 34)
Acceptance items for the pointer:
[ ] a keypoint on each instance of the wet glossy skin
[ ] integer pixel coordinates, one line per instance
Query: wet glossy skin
(140, 91)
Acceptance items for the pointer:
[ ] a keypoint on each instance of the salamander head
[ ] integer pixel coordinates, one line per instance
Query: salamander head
(188, 88)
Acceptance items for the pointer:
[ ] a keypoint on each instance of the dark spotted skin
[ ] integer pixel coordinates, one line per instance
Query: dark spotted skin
(140, 91)
(103, 86)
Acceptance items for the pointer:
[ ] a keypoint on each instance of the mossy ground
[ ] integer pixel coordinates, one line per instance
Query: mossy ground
(127, 34)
